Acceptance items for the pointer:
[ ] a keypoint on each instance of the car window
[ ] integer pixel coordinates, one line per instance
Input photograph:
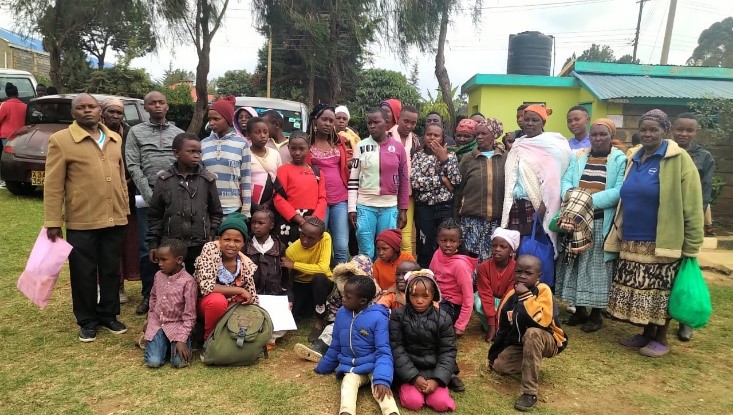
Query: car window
(132, 117)
(25, 87)
(50, 112)
(292, 120)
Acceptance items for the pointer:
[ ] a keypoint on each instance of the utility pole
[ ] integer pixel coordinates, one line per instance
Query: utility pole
(668, 32)
(638, 27)
(269, 62)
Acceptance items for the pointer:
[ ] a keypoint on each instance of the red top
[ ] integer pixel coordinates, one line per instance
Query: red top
(384, 272)
(303, 191)
(12, 116)
(493, 284)
(172, 306)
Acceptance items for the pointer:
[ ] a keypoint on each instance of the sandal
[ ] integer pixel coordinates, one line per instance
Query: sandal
(636, 340)
(654, 349)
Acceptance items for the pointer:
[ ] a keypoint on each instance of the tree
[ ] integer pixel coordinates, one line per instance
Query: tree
(119, 80)
(376, 85)
(318, 46)
(627, 59)
(414, 24)
(235, 82)
(176, 76)
(196, 21)
(597, 53)
(125, 29)
(715, 46)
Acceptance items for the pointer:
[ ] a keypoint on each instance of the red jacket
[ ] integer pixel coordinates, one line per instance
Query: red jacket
(12, 116)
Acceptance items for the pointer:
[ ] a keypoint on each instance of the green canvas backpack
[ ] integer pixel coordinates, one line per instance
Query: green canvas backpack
(240, 337)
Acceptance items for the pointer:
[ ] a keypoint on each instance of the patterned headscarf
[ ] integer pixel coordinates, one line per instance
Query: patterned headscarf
(364, 263)
(495, 127)
(660, 117)
(320, 108)
(112, 102)
(466, 126)
(606, 123)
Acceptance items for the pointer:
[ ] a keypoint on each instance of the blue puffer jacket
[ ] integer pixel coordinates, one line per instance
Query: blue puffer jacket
(360, 345)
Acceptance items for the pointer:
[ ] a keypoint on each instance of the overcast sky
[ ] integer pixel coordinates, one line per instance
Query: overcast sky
(576, 24)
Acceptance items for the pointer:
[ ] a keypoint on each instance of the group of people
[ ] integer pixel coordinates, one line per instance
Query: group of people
(329, 220)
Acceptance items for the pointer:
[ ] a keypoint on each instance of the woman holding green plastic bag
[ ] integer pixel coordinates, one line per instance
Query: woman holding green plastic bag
(658, 222)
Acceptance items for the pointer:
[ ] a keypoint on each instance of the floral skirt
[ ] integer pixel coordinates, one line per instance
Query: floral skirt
(641, 284)
(289, 232)
(587, 281)
(477, 235)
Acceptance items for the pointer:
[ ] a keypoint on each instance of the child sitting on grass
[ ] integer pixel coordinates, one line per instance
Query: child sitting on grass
(388, 245)
(528, 330)
(360, 352)
(394, 297)
(359, 265)
(495, 277)
(172, 313)
(423, 347)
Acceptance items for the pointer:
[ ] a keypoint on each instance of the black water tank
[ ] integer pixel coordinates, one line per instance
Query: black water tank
(530, 53)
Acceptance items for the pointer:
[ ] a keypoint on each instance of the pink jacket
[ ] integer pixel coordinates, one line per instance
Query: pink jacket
(454, 277)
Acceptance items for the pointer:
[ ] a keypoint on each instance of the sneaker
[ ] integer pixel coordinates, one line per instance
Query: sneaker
(456, 384)
(143, 307)
(87, 335)
(314, 353)
(710, 231)
(525, 403)
(114, 326)
(2, 184)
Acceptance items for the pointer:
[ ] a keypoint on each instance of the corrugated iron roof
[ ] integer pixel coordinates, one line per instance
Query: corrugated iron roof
(620, 86)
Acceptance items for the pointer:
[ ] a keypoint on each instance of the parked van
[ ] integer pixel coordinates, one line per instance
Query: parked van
(295, 114)
(25, 81)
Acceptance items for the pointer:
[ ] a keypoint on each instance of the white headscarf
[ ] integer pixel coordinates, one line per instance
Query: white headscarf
(512, 237)
(342, 108)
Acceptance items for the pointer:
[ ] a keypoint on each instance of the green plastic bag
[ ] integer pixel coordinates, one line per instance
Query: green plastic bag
(689, 301)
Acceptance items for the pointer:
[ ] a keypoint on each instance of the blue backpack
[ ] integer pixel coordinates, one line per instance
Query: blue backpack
(539, 244)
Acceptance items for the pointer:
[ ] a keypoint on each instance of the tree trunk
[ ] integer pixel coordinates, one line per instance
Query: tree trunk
(335, 72)
(311, 86)
(55, 71)
(442, 74)
(202, 93)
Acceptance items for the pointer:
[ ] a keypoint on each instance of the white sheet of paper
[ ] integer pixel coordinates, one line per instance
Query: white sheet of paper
(140, 202)
(277, 306)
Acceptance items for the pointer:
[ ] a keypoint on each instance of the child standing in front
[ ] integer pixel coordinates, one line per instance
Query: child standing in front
(304, 189)
(528, 330)
(172, 313)
(495, 277)
(389, 257)
(423, 347)
(185, 203)
(360, 352)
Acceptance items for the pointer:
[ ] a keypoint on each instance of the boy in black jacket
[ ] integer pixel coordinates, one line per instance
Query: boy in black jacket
(185, 203)
(527, 331)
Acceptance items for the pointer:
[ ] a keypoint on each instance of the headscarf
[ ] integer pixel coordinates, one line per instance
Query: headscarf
(112, 102)
(606, 123)
(659, 116)
(510, 236)
(539, 110)
(495, 127)
(342, 108)
(466, 126)
(251, 111)
(395, 106)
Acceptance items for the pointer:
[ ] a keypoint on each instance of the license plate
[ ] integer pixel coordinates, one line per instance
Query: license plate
(37, 177)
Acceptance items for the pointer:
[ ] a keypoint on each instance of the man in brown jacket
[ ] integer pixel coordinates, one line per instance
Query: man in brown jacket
(85, 190)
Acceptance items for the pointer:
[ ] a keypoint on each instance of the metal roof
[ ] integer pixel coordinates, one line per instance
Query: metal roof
(623, 86)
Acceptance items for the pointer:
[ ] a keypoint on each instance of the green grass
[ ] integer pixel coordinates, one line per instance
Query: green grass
(45, 369)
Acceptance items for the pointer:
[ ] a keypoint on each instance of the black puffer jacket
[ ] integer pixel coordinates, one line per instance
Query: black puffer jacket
(423, 344)
(186, 208)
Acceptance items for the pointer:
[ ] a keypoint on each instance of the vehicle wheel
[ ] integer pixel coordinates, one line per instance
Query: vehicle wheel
(20, 188)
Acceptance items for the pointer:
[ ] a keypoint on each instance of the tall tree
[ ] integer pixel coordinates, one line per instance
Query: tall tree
(413, 23)
(175, 76)
(318, 45)
(235, 82)
(715, 46)
(195, 21)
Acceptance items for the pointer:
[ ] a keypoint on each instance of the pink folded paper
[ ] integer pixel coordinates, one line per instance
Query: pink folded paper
(43, 268)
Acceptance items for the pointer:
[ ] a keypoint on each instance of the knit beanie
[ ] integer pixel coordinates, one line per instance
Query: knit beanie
(392, 237)
(225, 107)
(234, 221)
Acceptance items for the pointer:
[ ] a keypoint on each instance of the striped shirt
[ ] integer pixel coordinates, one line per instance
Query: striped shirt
(229, 159)
(593, 179)
(172, 306)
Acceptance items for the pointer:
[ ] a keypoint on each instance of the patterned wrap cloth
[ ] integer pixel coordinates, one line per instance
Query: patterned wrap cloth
(576, 218)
